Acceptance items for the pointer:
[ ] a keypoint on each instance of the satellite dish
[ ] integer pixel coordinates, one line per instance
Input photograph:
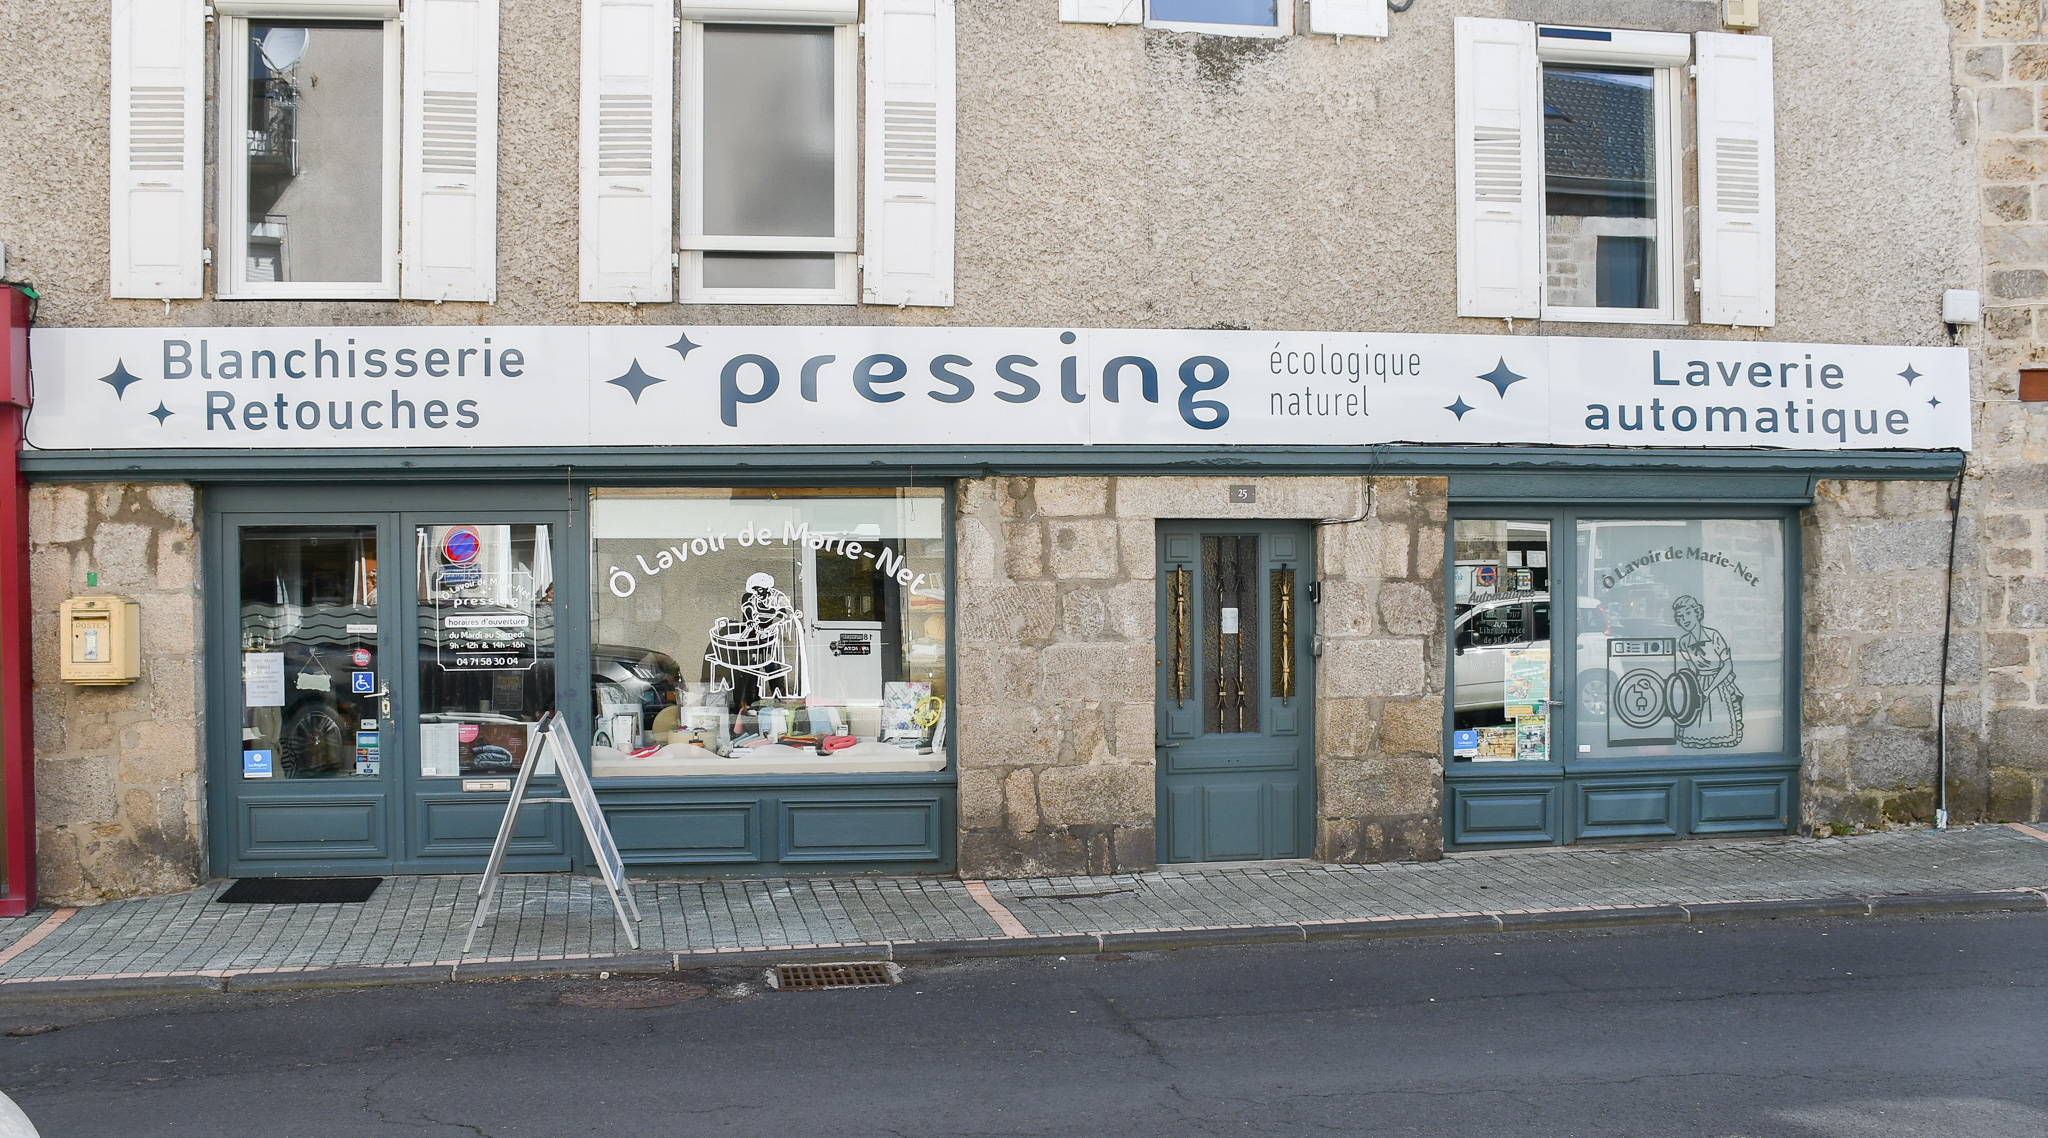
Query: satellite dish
(282, 47)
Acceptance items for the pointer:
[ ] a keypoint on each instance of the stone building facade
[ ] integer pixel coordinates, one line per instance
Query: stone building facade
(1057, 664)
(1146, 179)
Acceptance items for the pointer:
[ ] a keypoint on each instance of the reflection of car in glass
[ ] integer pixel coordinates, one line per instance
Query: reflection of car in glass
(1485, 630)
(629, 687)
(486, 757)
(320, 715)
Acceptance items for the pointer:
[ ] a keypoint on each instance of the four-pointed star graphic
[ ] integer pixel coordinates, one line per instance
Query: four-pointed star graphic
(120, 378)
(1501, 378)
(683, 347)
(1909, 375)
(160, 414)
(635, 381)
(1459, 408)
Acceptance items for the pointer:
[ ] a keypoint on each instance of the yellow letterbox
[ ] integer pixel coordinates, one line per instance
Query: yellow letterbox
(100, 644)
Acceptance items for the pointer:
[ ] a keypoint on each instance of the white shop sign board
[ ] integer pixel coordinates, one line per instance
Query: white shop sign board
(405, 387)
(582, 800)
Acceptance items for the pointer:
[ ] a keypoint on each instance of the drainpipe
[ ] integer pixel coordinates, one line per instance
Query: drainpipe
(1948, 607)
(17, 733)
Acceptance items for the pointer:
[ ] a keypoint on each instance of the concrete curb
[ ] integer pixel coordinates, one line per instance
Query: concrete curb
(1130, 940)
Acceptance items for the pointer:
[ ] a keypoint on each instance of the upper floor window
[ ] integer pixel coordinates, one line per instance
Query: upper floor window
(357, 157)
(769, 167)
(1222, 17)
(310, 158)
(757, 180)
(1569, 174)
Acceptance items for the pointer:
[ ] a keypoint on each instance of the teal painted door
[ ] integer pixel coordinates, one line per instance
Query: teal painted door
(1234, 718)
(384, 674)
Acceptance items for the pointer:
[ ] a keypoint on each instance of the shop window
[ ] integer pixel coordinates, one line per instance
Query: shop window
(760, 632)
(487, 646)
(308, 623)
(1222, 17)
(1686, 651)
(1674, 645)
(310, 148)
(1500, 643)
(768, 163)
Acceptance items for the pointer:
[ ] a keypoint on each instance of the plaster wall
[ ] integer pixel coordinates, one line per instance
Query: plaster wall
(1115, 176)
(1056, 643)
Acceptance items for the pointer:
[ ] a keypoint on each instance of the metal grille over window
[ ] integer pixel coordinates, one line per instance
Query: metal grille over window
(1230, 622)
(1181, 662)
(625, 135)
(156, 135)
(450, 132)
(1283, 634)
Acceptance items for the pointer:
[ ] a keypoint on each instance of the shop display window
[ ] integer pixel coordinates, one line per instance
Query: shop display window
(1500, 641)
(756, 632)
(486, 627)
(1681, 638)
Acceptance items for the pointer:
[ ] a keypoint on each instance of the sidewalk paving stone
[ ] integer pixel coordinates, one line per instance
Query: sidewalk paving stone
(415, 923)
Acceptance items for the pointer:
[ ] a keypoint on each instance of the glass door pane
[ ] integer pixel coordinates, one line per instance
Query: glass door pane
(1500, 646)
(486, 629)
(310, 695)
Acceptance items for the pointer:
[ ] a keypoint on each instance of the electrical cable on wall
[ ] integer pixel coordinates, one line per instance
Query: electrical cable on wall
(1955, 501)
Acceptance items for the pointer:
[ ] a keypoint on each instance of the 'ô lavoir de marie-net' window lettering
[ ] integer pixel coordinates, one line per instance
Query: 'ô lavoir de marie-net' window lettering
(1681, 637)
(768, 631)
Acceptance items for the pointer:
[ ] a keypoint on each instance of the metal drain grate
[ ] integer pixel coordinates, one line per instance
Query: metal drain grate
(822, 977)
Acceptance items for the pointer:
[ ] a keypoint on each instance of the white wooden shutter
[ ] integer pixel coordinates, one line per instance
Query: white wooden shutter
(1105, 11)
(1738, 192)
(449, 211)
(156, 229)
(907, 256)
(627, 201)
(1348, 17)
(1499, 95)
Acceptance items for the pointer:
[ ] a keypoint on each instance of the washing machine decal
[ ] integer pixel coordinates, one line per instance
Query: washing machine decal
(1651, 695)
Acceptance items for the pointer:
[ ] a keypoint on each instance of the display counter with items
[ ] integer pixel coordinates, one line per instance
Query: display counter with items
(768, 632)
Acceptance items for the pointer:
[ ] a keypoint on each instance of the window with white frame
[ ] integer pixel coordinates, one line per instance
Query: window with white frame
(357, 160)
(1569, 174)
(1222, 17)
(761, 180)
(309, 157)
(1610, 249)
(768, 163)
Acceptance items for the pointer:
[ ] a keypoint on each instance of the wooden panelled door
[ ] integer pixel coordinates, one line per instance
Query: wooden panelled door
(1234, 719)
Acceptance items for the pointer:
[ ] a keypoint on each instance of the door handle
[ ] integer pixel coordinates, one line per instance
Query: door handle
(1162, 746)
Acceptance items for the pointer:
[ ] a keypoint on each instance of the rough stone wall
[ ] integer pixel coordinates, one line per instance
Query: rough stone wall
(1056, 647)
(118, 769)
(2000, 72)
(1876, 556)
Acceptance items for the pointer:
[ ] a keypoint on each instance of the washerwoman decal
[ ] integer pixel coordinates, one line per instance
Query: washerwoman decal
(1715, 716)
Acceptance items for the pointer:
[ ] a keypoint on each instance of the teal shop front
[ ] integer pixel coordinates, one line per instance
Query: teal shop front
(756, 676)
(1623, 659)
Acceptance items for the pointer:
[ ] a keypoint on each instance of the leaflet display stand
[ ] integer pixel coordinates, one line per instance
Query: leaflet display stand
(554, 733)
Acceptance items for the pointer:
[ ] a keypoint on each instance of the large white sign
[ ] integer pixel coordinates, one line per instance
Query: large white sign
(276, 388)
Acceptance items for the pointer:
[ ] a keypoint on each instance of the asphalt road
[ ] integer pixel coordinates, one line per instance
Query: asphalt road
(1889, 1026)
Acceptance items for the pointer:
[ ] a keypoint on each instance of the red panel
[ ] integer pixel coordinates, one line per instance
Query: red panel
(17, 733)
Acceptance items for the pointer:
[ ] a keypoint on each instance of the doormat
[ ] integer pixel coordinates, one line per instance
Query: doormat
(300, 891)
